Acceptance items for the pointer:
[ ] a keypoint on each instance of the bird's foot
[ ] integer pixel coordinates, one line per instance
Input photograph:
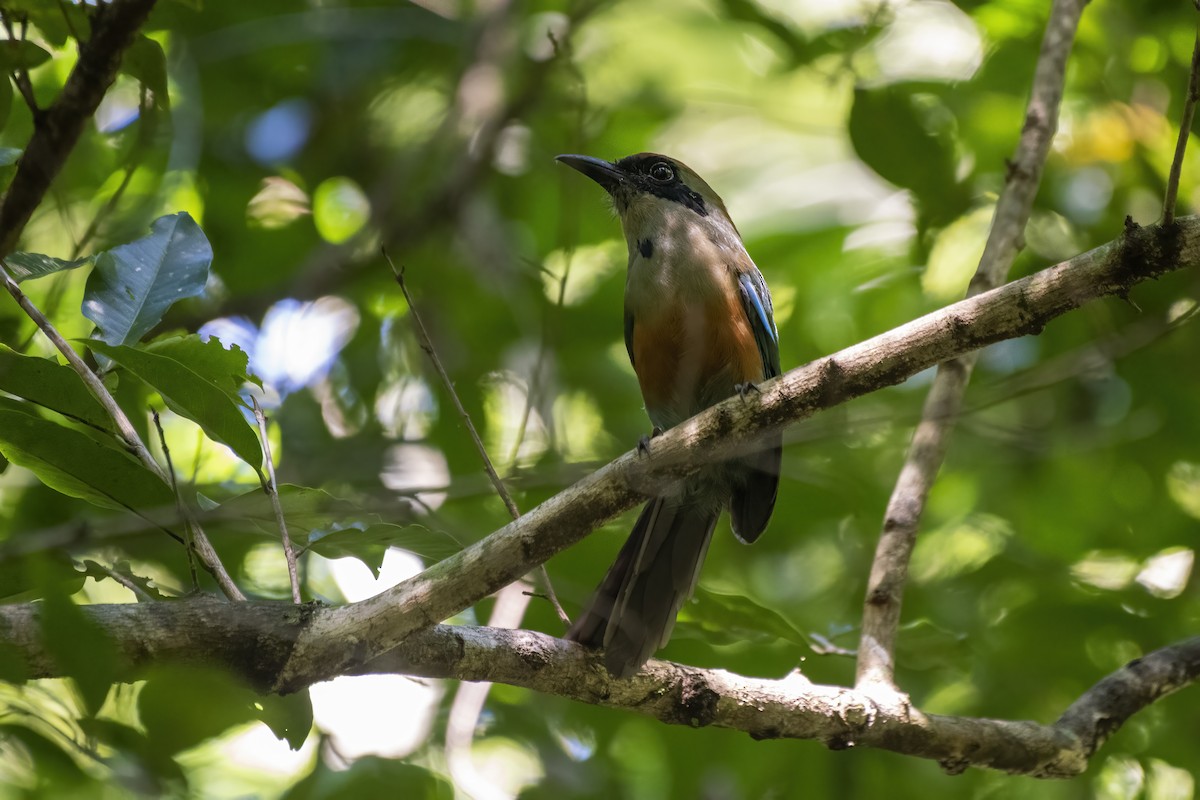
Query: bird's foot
(746, 388)
(644, 442)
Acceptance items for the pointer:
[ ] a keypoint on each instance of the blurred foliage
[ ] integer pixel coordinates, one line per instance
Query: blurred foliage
(859, 147)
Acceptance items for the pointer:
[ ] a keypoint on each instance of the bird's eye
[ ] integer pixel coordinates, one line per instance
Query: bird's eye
(662, 172)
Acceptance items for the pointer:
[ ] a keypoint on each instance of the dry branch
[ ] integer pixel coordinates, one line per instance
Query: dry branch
(252, 639)
(901, 519)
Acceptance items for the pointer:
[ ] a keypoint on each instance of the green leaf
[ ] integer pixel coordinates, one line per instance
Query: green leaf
(26, 577)
(58, 774)
(122, 568)
(21, 54)
(51, 385)
(330, 526)
(290, 717)
(182, 706)
(6, 98)
(80, 648)
(77, 465)
(891, 137)
(191, 395)
(372, 776)
(146, 62)
(922, 644)
(134, 284)
(728, 617)
(228, 368)
(24, 266)
(132, 744)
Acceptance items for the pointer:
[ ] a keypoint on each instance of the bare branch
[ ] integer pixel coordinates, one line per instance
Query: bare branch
(114, 26)
(179, 504)
(889, 571)
(1019, 308)
(202, 629)
(271, 488)
(1185, 132)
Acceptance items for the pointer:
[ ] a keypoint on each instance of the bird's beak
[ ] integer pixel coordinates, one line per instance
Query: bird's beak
(602, 172)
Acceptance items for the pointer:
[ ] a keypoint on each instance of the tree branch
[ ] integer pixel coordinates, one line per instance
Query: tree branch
(889, 571)
(114, 27)
(251, 640)
(1022, 307)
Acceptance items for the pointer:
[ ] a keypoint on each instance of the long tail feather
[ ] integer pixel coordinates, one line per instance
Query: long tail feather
(633, 611)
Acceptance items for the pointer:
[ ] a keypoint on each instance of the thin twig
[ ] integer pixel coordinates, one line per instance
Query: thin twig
(67, 20)
(114, 27)
(427, 345)
(132, 586)
(889, 571)
(568, 233)
(1185, 132)
(179, 504)
(140, 145)
(21, 76)
(272, 490)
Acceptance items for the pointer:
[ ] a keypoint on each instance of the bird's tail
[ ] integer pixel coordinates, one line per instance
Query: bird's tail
(633, 610)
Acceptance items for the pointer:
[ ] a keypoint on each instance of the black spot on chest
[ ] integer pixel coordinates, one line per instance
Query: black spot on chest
(646, 248)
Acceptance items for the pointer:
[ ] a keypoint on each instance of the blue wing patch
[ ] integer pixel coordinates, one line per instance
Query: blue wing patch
(756, 302)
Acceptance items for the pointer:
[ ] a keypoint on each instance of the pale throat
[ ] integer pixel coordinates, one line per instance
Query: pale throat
(673, 250)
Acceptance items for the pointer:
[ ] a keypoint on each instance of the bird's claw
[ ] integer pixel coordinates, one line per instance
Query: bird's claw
(643, 445)
(746, 388)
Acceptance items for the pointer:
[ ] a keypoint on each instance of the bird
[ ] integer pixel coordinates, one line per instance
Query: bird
(699, 328)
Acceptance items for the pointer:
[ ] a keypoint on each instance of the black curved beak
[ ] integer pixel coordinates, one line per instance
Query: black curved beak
(602, 172)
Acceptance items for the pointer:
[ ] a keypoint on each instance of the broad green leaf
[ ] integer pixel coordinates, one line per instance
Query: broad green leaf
(372, 776)
(24, 266)
(729, 617)
(290, 717)
(134, 284)
(190, 395)
(890, 136)
(56, 21)
(28, 577)
(146, 62)
(369, 543)
(330, 526)
(77, 465)
(122, 568)
(50, 384)
(182, 706)
(152, 764)
(923, 644)
(57, 771)
(20, 54)
(79, 647)
(227, 368)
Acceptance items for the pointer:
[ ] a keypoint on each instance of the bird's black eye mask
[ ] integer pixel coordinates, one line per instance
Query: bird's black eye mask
(656, 175)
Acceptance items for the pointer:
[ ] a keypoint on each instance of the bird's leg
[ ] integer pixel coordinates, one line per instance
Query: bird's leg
(746, 388)
(644, 442)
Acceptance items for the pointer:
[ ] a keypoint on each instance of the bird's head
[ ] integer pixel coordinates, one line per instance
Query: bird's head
(652, 191)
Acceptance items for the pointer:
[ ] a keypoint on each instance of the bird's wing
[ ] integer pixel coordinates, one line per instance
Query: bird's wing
(756, 302)
(629, 335)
